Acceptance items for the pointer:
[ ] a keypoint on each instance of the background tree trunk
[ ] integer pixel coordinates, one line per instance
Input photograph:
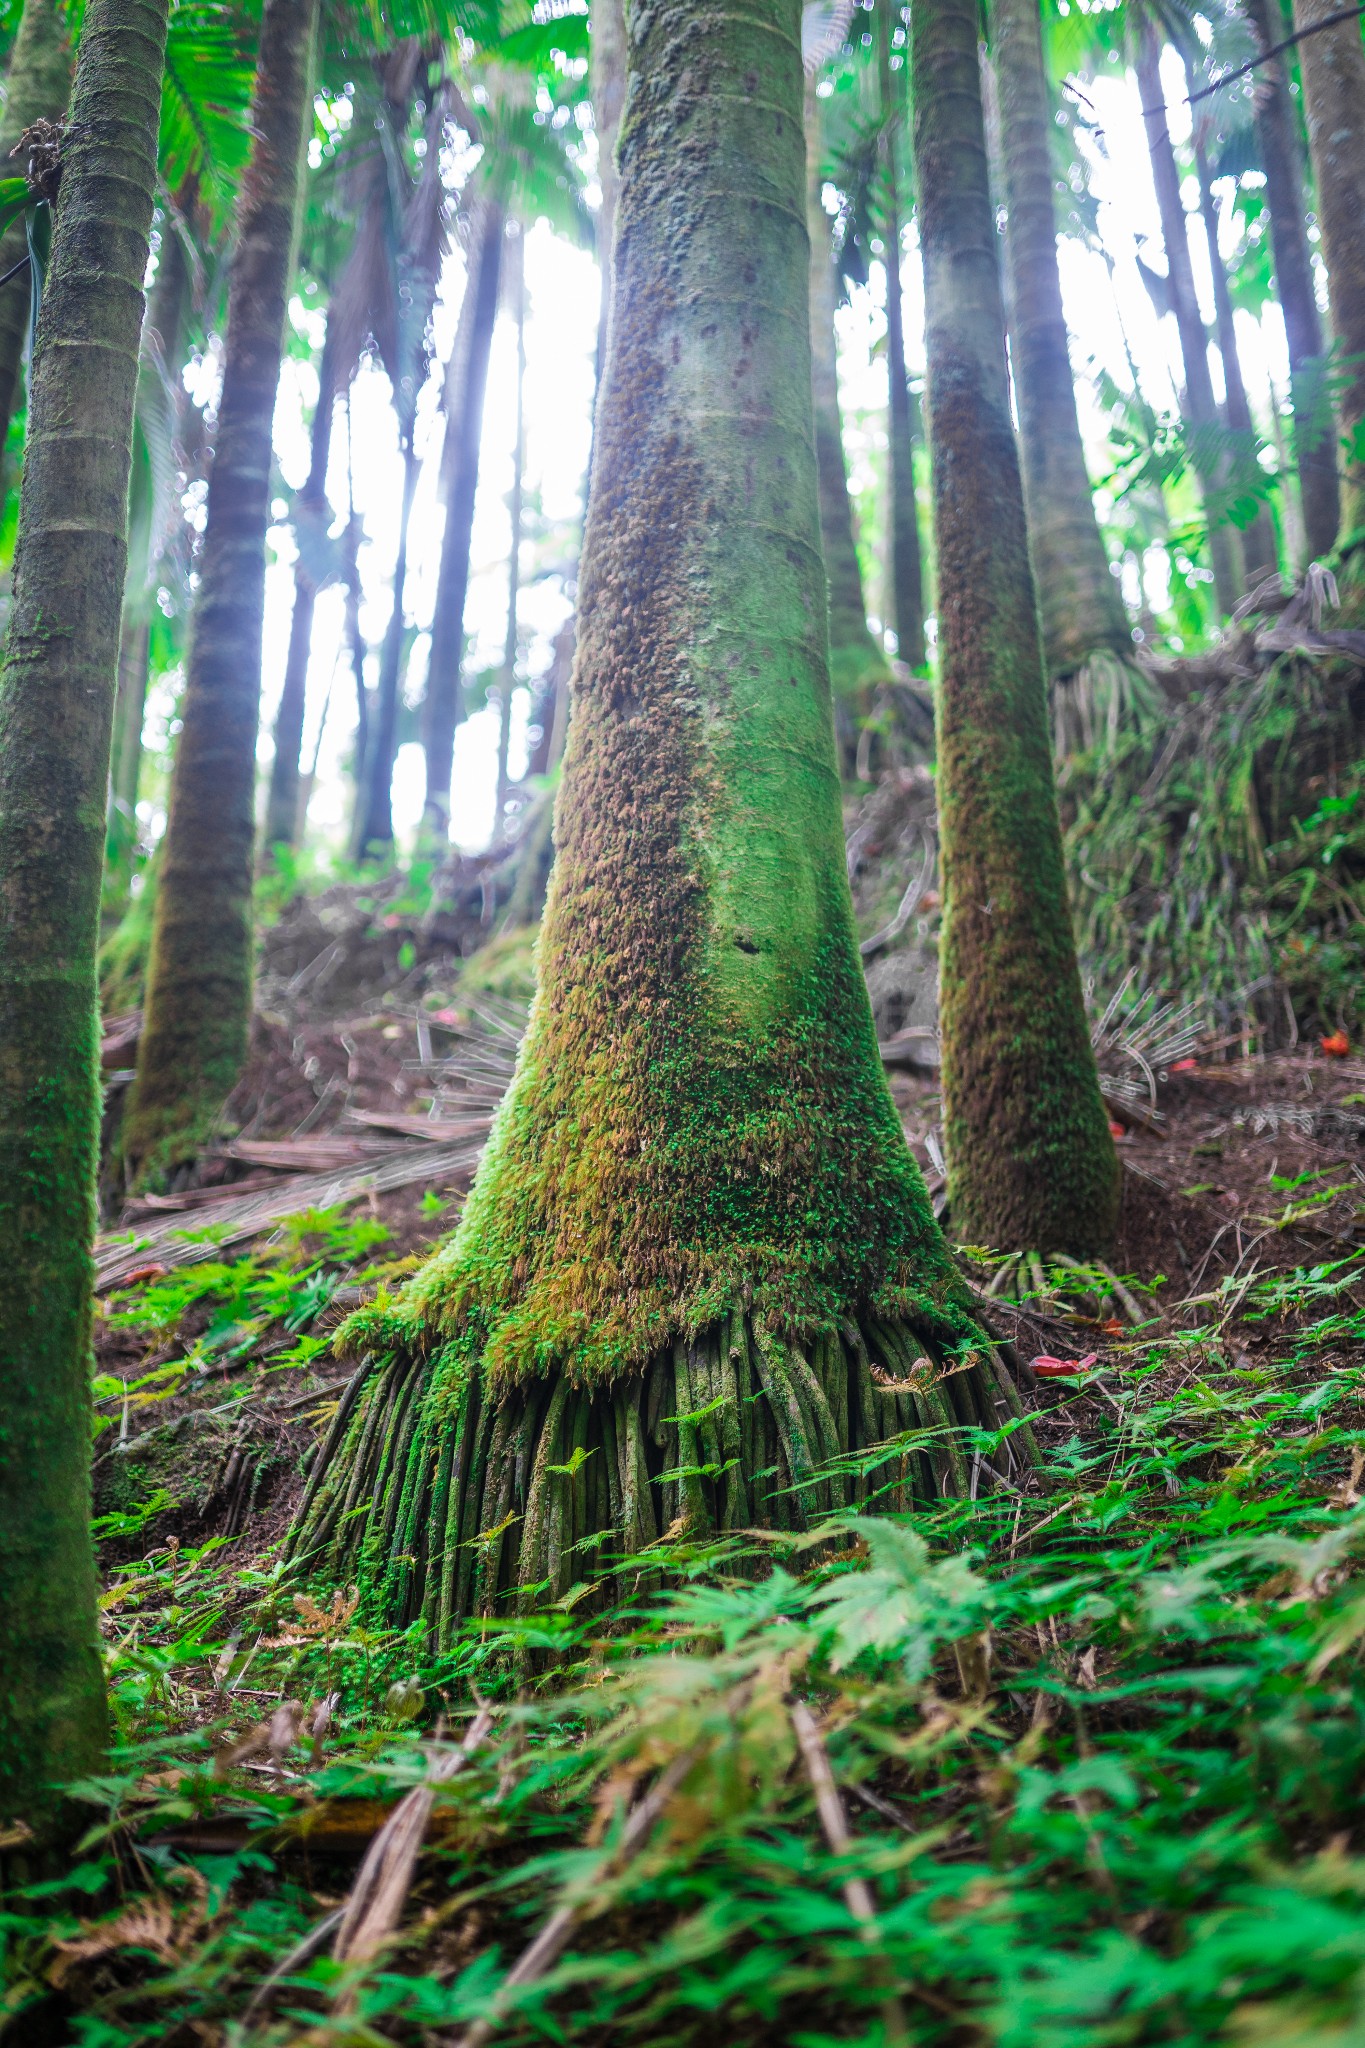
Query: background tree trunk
(199, 974)
(56, 712)
(1332, 66)
(1031, 1162)
(516, 259)
(699, 1126)
(464, 424)
(36, 88)
(608, 57)
(1080, 601)
(374, 813)
(1201, 407)
(1314, 439)
(856, 663)
(282, 819)
(907, 567)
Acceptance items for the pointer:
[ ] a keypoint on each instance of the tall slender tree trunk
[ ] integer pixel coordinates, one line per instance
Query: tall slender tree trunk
(1315, 452)
(56, 714)
(856, 663)
(1332, 66)
(199, 974)
(374, 814)
(608, 78)
(1079, 599)
(282, 819)
(160, 357)
(1200, 403)
(698, 1229)
(1030, 1158)
(465, 424)
(36, 88)
(1258, 536)
(516, 258)
(907, 568)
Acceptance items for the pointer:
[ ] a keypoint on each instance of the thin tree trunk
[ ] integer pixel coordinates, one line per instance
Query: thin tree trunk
(282, 819)
(1332, 66)
(134, 669)
(856, 663)
(608, 58)
(1079, 599)
(56, 713)
(1030, 1159)
(199, 975)
(699, 1119)
(36, 88)
(907, 569)
(1201, 405)
(374, 827)
(465, 423)
(516, 256)
(1314, 438)
(1258, 536)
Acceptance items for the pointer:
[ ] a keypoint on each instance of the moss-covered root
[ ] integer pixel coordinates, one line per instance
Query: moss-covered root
(56, 714)
(447, 1498)
(1031, 1160)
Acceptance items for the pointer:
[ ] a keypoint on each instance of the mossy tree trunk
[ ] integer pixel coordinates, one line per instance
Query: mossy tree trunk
(906, 581)
(697, 1236)
(1201, 407)
(312, 513)
(200, 971)
(1314, 438)
(1332, 66)
(1030, 1158)
(856, 663)
(464, 432)
(56, 714)
(1079, 599)
(36, 87)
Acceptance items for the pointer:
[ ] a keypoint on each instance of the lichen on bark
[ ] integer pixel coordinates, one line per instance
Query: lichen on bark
(697, 1195)
(1030, 1157)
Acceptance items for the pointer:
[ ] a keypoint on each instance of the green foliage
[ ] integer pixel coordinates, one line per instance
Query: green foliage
(1098, 1745)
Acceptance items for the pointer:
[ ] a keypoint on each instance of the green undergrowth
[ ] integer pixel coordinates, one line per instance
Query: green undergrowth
(1100, 1745)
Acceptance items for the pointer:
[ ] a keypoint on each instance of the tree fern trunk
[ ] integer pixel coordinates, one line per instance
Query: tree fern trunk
(36, 88)
(199, 976)
(56, 709)
(698, 1156)
(1314, 439)
(465, 424)
(1080, 602)
(1332, 65)
(1031, 1161)
(1200, 404)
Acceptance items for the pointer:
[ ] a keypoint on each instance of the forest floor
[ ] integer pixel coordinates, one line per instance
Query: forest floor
(1077, 1761)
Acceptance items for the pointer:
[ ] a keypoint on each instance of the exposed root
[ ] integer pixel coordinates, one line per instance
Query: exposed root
(1060, 1282)
(448, 1498)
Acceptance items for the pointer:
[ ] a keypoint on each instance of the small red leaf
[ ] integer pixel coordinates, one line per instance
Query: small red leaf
(1184, 1066)
(1337, 1046)
(140, 1274)
(1048, 1368)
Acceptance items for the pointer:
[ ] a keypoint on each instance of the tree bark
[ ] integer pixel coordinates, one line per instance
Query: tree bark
(465, 424)
(282, 820)
(374, 816)
(36, 88)
(1332, 66)
(56, 713)
(608, 72)
(516, 257)
(1079, 599)
(856, 663)
(199, 974)
(699, 1148)
(907, 569)
(1200, 404)
(1258, 536)
(1314, 438)
(1031, 1162)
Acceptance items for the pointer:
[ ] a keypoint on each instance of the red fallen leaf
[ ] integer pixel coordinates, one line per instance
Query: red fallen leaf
(1112, 1328)
(1337, 1046)
(140, 1274)
(1183, 1066)
(1117, 1130)
(1048, 1368)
